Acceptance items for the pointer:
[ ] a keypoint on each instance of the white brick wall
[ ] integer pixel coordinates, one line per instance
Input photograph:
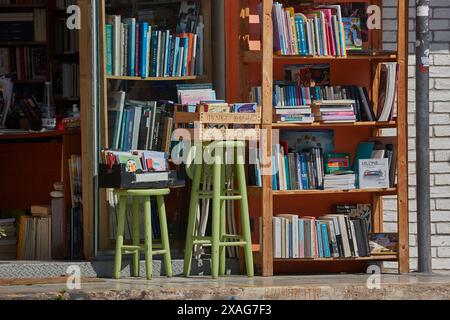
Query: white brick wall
(439, 131)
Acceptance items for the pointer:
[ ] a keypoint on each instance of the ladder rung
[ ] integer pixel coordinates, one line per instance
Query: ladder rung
(158, 252)
(132, 248)
(231, 198)
(233, 244)
(202, 242)
(232, 236)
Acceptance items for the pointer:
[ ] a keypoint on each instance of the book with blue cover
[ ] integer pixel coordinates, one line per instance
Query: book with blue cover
(109, 49)
(326, 240)
(143, 67)
(131, 22)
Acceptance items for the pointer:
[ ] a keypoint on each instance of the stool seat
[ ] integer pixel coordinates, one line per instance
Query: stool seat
(143, 192)
(219, 239)
(148, 247)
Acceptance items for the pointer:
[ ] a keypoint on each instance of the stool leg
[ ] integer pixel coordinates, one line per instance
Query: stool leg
(190, 233)
(164, 235)
(119, 235)
(148, 238)
(223, 222)
(245, 218)
(215, 240)
(136, 236)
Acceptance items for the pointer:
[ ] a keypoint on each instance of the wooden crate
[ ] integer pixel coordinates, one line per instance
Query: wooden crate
(211, 126)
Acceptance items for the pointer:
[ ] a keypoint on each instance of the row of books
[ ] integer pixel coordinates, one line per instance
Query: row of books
(306, 161)
(308, 85)
(66, 40)
(311, 170)
(63, 4)
(23, 26)
(34, 238)
(29, 63)
(67, 80)
(8, 241)
(139, 49)
(330, 236)
(317, 31)
(144, 125)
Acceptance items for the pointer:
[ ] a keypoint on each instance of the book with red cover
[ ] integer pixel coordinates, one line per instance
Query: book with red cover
(190, 37)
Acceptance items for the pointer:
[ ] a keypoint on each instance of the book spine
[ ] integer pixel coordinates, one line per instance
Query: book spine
(136, 50)
(131, 46)
(143, 49)
(109, 49)
(154, 52)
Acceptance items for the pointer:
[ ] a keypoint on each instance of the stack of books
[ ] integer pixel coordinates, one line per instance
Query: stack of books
(138, 49)
(340, 181)
(316, 31)
(8, 242)
(335, 111)
(330, 236)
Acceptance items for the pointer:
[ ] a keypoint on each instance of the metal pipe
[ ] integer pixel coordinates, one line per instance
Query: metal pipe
(423, 136)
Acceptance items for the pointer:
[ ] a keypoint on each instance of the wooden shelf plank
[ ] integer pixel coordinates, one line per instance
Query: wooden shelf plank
(127, 78)
(22, 43)
(390, 191)
(391, 124)
(22, 6)
(29, 81)
(256, 56)
(390, 257)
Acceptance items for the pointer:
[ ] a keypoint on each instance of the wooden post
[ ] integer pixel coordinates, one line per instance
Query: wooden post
(402, 133)
(267, 87)
(87, 127)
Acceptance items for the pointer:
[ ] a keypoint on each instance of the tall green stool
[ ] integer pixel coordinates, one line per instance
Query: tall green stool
(219, 240)
(149, 248)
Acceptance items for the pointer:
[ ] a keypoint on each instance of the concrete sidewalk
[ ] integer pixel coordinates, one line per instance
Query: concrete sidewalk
(340, 287)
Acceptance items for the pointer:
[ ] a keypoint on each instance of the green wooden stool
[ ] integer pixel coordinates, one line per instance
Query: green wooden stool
(219, 240)
(149, 248)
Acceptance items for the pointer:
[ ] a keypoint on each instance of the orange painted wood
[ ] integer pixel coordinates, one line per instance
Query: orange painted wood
(402, 131)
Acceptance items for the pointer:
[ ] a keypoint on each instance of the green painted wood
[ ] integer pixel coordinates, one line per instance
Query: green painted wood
(143, 192)
(219, 240)
(190, 233)
(245, 216)
(164, 235)
(135, 235)
(119, 235)
(148, 238)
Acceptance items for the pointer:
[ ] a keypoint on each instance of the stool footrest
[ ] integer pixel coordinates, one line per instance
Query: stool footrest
(232, 236)
(233, 244)
(231, 198)
(158, 252)
(132, 248)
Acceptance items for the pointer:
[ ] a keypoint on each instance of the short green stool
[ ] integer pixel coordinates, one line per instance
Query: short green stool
(149, 248)
(219, 240)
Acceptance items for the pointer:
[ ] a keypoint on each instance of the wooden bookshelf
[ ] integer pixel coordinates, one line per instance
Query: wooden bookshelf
(127, 78)
(257, 65)
(107, 82)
